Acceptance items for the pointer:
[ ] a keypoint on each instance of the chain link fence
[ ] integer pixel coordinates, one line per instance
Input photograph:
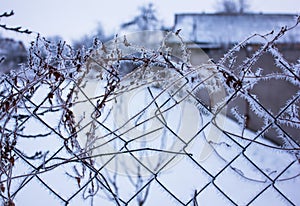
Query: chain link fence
(134, 122)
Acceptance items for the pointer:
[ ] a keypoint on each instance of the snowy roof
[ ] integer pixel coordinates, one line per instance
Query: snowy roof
(233, 28)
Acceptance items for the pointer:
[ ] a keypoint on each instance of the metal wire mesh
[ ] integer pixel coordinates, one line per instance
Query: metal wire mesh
(68, 137)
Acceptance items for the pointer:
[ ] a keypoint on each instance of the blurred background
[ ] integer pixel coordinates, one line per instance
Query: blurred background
(73, 20)
(213, 27)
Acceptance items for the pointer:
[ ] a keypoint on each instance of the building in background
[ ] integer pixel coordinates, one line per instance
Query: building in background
(12, 54)
(217, 33)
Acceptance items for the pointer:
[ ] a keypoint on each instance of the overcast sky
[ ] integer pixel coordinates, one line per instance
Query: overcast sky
(72, 19)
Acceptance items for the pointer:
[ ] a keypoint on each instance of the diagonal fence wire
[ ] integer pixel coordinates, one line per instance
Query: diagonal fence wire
(124, 124)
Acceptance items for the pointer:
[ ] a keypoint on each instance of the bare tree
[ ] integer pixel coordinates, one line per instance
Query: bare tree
(233, 6)
(243, 6)
(145, 20)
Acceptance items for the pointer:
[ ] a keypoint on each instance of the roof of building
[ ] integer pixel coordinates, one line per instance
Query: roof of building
(221, 28)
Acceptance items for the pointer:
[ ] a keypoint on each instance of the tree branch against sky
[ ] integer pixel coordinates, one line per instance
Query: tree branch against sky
(9, 28)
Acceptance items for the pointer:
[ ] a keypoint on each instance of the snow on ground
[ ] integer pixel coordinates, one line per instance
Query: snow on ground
(237, 168)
